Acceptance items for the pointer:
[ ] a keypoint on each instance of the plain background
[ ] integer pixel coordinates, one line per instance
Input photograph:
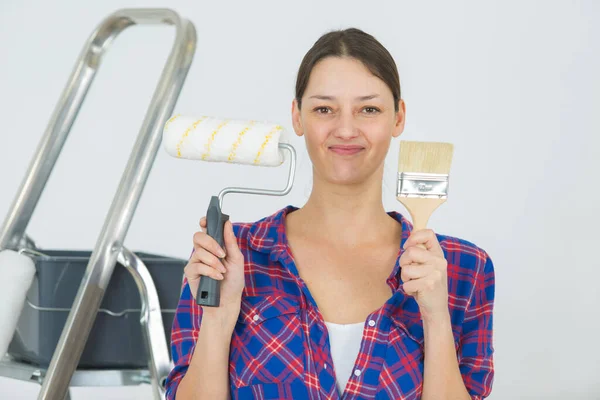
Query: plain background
(513, 84)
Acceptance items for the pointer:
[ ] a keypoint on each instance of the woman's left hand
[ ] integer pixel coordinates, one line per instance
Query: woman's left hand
(424, 273)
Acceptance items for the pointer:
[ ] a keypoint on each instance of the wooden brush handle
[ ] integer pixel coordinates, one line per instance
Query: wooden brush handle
(420, 210)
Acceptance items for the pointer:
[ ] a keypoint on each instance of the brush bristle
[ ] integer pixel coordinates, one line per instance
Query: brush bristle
(425, 157)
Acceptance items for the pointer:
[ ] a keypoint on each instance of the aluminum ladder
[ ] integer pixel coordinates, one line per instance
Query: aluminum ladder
(62, 372)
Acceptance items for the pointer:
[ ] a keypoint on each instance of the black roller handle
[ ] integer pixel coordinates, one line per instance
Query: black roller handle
(209, 289)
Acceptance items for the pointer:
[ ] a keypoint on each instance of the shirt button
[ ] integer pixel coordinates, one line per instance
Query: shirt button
(325, 366)
(255, 317)
(357, 372)
(371, 323)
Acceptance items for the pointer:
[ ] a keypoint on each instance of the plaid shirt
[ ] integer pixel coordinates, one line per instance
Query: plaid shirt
(280, 346)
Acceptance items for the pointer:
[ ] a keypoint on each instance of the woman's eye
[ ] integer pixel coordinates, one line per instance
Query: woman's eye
(371, 110)
(322, 110)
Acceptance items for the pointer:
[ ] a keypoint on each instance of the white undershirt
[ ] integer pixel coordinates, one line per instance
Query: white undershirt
(344, 340)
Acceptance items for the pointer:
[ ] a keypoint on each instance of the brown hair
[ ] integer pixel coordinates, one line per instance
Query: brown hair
(354, 43)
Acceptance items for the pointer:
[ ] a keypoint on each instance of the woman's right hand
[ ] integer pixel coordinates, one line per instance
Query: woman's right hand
(209, 259)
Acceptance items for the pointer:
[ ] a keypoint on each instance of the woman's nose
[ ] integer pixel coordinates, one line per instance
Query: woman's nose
(346, 128)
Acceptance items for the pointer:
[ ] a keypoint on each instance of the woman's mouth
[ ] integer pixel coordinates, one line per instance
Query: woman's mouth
(346, 150)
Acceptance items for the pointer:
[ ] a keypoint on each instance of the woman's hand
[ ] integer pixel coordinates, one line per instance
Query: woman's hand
(226, 265)
(424, 273)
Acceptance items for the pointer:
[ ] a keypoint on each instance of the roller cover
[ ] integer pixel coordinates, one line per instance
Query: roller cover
(223, 140)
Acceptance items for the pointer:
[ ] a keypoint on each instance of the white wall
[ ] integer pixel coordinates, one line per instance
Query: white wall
(514, 84)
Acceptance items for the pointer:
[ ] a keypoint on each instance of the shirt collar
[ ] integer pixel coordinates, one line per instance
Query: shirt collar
(268, 234)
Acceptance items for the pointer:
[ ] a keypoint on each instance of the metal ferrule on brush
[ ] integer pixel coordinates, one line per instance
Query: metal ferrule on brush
(422, 185)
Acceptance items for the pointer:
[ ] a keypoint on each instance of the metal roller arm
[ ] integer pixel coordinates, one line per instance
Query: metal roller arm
(102, 262)
(267, 192)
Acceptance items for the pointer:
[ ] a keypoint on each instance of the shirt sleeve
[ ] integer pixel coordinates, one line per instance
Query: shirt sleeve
(476, 348)
(184, 334)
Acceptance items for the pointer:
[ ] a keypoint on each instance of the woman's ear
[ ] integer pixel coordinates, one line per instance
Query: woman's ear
(296, 118)
(399, 119)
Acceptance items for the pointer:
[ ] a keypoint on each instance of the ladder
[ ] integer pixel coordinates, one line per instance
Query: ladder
(62, 371)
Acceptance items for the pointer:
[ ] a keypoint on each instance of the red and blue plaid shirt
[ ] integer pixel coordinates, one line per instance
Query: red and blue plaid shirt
(280, 346)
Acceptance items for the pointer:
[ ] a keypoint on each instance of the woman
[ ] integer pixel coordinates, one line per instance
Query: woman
(335, 299)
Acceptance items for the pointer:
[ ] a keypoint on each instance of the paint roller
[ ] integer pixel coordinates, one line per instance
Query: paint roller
(17, 272)
(232, 141)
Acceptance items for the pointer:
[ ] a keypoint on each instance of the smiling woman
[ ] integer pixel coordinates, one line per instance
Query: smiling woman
(347, 111)
(339, 298)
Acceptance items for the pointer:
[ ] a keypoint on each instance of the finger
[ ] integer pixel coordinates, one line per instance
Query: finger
(415, 271)
(416, 255)
(203, 222)
(202, 240)
(425, 237)
(418, 286)
(409, 288)
(194, 271)
(205, 257)
(231, 246)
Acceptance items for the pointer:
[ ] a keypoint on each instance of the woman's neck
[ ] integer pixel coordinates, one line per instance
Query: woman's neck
(349, 215)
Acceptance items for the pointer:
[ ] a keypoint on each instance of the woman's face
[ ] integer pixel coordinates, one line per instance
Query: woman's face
(348, 120)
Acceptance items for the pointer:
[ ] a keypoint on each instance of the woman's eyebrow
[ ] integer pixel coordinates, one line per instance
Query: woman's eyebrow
(359, 98)
(322, 97)
(369, 97)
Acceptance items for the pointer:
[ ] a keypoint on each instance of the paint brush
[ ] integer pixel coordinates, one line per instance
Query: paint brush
(423, 171)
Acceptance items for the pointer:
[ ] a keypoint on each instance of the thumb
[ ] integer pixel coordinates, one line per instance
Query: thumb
(231, 247)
